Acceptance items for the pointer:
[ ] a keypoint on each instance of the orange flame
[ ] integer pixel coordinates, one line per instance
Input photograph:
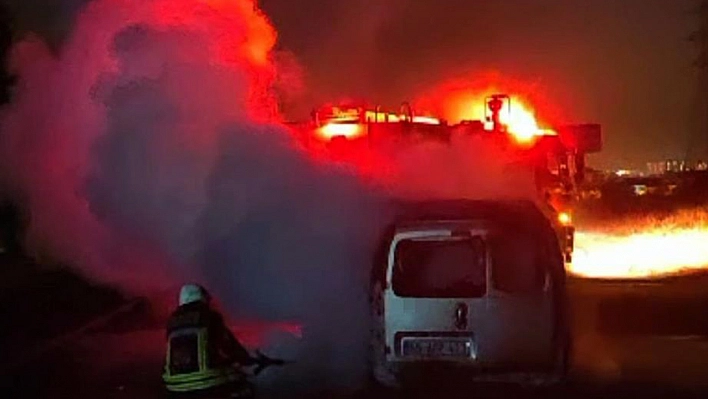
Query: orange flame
(348, 130)
(652, 248)
(464, 98)
(521, 121)
(519, 117)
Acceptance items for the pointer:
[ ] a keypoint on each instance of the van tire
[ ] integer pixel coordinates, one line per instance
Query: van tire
(561, 366)
(563, 363)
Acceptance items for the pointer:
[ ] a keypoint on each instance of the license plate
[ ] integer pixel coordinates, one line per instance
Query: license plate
(437, 348)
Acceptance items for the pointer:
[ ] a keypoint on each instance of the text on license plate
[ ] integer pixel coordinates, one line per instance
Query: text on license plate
(437, 347)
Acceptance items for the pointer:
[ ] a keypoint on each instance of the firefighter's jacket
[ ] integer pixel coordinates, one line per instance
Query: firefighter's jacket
(201, 351)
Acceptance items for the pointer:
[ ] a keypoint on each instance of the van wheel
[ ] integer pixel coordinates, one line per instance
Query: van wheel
(558, 375)
(380, 378)
(562, 364)
(375, 387)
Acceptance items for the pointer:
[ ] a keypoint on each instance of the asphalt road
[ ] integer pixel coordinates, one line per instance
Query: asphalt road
(636, 339)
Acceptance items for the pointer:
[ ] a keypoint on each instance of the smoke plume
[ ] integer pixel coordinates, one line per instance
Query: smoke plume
(149, 153)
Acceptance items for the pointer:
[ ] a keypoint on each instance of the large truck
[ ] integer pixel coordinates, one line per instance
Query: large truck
(556, 156)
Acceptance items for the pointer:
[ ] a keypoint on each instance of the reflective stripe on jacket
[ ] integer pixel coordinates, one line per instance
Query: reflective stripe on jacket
(195, 358)
(200, 380)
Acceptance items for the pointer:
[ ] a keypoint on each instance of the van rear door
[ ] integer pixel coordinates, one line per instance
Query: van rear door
(438, 279)
(461, 293)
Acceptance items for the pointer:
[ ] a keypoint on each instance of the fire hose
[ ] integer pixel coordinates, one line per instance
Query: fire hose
(264, 362)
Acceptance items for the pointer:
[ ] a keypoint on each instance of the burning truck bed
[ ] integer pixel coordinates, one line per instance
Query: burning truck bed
(554, 157)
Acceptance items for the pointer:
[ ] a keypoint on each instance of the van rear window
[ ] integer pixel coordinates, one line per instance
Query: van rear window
(518, 262)
(446, 268)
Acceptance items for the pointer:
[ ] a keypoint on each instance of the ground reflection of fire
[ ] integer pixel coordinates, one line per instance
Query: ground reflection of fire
(644, 248)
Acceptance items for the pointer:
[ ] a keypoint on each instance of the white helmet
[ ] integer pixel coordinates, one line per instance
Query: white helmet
(193, 293)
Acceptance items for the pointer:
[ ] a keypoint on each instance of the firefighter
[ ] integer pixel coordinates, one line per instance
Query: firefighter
(203, 357)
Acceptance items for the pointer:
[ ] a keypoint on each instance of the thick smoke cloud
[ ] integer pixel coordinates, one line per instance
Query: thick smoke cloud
(263, 224)
(146, 158)
(149, 153)
(468, 167)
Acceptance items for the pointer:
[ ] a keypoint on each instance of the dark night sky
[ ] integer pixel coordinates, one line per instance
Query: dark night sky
(623, 63)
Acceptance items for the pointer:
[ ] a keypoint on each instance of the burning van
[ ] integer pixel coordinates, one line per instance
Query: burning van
(470, 288)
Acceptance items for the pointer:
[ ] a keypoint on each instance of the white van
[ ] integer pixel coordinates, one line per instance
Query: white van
(472, 288)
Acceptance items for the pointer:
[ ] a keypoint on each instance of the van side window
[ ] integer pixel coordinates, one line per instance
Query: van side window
(518, 264)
